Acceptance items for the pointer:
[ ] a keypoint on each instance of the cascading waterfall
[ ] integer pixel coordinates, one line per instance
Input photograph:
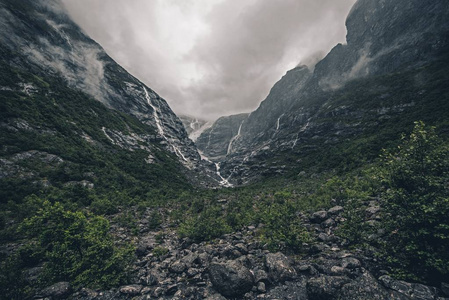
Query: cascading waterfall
(160, 129)
(224, 182)
(234, 138)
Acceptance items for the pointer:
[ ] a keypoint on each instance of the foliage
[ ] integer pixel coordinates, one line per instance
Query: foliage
(160, 251)
(207, 225)
(77, 247)
(416, 204)
(282, 227)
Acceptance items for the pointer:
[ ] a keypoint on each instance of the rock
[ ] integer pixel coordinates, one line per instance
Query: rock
(131, 290)
(294, 290)
(231, 278)
(171, 289)
(445, 288)
(261, 287)
(189, 259)
(260, 275)
(141, 250)
(328, 223)
(350, 263)
(325, 287)
(423, 292)
(158, 292)
(149, 280)
(317, 248)
(216, 297)
(336, 270)
(412, 290)
(177, 267)
(366, 287)
(324, 237)
(279, 268)
(60, 290)
(318, 217)
(192, 272)
(336, 210)
(372, 210)
(214, 141)
(242, 248)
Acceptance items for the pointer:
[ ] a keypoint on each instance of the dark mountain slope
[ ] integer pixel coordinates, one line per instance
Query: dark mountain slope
(361, 96)
(45, 56)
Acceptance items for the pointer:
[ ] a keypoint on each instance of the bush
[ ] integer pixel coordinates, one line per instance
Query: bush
(103, 206)
(209, 224)
(416, 205)
(282, 228)
(77, 247)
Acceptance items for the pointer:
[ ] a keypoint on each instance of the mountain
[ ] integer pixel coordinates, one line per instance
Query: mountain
(216, 141)
(354, 102)
(58, 88)
(101, 190)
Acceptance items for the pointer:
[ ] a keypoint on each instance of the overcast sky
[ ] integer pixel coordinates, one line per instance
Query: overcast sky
(210, 58)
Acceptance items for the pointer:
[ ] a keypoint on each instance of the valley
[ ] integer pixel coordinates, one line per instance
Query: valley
(335, 187)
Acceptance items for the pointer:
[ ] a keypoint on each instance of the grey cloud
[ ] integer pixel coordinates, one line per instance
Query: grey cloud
(248, 46)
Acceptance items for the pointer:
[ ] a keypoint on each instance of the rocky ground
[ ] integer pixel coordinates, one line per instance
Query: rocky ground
(238, 266)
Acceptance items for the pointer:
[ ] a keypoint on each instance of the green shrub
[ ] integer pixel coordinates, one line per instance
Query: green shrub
(160, 251)
(103, 206)
(155, 220)
(207, 225)
(77, 247)
(282, 229)
(416, 206)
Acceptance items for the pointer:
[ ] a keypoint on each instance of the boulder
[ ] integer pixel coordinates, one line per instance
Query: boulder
(279, 267)
(351, 263)
(178, 267)
(131, 290)
(411, 290)
(328, 223)
(336, 210)
(367, 287)
(325, 287)
(318, 217)
(231, 278)
(445, 288)
(60, 290)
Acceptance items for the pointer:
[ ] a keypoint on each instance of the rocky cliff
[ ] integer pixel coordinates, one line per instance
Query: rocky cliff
(217, 141)
(39, 38)
(358, 97)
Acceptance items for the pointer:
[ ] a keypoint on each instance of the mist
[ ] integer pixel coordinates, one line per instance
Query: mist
(210, 58)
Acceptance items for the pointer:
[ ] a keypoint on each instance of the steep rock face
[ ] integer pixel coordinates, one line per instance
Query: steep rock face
(394, 60)
(218, 140)
(39, 38)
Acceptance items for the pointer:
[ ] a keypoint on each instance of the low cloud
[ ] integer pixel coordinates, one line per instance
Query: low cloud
(212, 57)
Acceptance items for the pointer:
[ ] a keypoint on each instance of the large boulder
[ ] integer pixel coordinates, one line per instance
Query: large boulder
(60, 290)
(279, 267)
(325, 287)
(411, 290)
(318, 217)
(367, 287)
(231, 278)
